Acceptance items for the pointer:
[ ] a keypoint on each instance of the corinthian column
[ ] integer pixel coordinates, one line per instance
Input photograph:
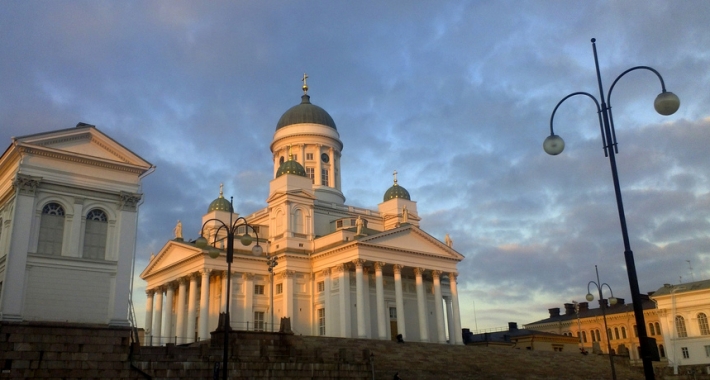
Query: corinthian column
(399, 300)
(360, 297)
(192, 309)
(380, 294)
(148, 313)
(204, 304)
(438, 307)
(421, 305)
(458, 338)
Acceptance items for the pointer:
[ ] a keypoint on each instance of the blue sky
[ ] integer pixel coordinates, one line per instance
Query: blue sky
(454, 95)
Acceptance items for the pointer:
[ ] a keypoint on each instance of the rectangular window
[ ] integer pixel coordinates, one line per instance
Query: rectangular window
(295, 157)
(309, 156)
(324, 177)
(258, 321)
(258, 289)
(338, 224)
(311, 173)
(321, 322)
(393, 313)
(707, 349)
(686, 354)
(279, 288)
(321, 286)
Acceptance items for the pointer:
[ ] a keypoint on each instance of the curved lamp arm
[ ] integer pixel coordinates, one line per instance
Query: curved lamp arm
(554, 144)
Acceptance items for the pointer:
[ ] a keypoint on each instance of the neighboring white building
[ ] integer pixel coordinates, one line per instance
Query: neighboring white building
(342, 271)
(68, 215)
(684, 312)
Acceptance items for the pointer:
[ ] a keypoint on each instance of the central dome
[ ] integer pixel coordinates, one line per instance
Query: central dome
(305, 113)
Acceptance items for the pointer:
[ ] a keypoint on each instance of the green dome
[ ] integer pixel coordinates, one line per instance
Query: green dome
(305, 113)
(220, 204)
(396, 191)
(291, 167)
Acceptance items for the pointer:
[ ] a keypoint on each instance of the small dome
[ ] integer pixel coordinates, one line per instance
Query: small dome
(305, 113)
(220, 204)
(291, 167)
(396, 191)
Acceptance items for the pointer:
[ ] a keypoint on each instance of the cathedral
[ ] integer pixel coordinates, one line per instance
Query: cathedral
(331, 269)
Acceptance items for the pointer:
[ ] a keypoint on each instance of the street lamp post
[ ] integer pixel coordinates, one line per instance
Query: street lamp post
(246, 239)
(666, 103)
(271, 263)
(602, 304)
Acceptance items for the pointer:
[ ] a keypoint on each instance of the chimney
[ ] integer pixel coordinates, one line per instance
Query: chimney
(512, 326)
(604, 302)
(554, 312)
(620, 302)
(569, 308)
(583, 306)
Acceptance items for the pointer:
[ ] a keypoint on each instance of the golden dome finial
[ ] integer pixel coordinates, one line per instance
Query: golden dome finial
(221, 190)
(305, 85)
(395, 177)
(290, 155)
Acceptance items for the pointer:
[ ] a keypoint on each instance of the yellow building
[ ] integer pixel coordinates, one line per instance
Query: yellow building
(622, 334)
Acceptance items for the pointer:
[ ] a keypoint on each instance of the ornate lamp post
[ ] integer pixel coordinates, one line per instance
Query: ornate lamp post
(602, 304)
(666, 103)
(246, 239)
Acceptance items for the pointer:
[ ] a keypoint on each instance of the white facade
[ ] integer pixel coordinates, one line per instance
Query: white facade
(342, 271)
(684, 312)
(68, 217)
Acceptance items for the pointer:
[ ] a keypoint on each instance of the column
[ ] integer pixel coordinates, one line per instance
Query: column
(455, 306)
(126, 230)
(158, 313)
(421, 305)
(180, 311)
(319, 166)
(450, 319)
(366, 292)
(248, 279)
(204, 305)
(380, 294)
(331, 168)
(399, 300)
(287, 283)
(438, 307)
(360, 299)
(168, 314)
(345, 320)
(328, 304)
(148, 316)
(224, 295)
(192, 309)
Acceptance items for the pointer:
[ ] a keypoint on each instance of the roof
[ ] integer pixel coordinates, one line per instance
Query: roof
(682, 288)
(305, 113)
(647, 304)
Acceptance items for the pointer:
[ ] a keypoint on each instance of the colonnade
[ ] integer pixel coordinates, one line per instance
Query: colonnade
(362, 292)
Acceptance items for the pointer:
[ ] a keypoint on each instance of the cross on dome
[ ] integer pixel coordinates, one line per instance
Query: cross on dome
(305, 85)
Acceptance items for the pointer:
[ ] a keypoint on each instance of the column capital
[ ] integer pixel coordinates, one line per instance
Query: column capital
(326, 272)
(453, 276)
(397, 268)
(171, 285)
(359, 263)
(248, 276)
(205, 272)
(287, 274)
(26, 184)
(436, 274)
(342, 267)
(149, 292)
(183, 280)
(379, 265)
(418, 271)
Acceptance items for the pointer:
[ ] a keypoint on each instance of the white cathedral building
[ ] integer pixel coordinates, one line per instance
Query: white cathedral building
(342, 271)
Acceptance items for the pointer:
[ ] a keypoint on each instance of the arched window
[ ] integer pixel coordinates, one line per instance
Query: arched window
(95, 235)
(298, 222)
(608, 334)
(594, 337)
(680, 327)
(616, 333)
(599, 336)
(703, 324)
(280, 222)
(652, 330)
(51, 229)
(584, 336)
(658, 328)
(623, 332)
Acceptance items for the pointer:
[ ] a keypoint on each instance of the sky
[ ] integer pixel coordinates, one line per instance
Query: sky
(454, 95)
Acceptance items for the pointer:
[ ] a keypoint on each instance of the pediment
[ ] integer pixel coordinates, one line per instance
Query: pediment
(172, 254)
(84, 142)
(291, 193)
(411, 238)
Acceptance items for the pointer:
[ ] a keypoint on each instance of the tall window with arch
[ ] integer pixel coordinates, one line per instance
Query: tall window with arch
(680, 327)
(652, 329)
(95, 235)
(51, 229)
(703, 324)
(298, 225)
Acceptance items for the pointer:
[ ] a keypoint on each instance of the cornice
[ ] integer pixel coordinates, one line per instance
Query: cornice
(81, 159)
